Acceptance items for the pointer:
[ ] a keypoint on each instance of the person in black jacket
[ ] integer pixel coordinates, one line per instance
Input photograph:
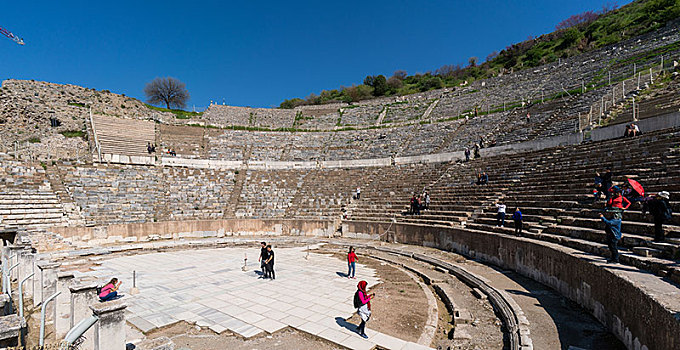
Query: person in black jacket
(607, 183)
(270, 263)
(264, 254)
(661, 211)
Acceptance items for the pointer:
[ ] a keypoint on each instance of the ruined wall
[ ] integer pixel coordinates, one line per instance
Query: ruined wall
(193, 229)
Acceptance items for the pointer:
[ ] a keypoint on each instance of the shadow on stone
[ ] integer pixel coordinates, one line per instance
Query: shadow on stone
(343, 323)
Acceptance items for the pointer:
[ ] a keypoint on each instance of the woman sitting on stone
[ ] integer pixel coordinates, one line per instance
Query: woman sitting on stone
(109, 291)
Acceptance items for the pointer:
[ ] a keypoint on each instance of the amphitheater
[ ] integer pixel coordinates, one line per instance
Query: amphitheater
(82, 201)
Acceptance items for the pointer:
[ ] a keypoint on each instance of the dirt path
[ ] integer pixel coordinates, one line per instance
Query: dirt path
(400, 307)
(484, 331)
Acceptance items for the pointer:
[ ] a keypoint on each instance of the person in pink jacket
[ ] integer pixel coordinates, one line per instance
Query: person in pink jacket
(109, 291)
(362, 301)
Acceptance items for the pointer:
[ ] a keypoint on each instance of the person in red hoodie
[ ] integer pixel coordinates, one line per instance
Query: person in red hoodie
(617, 201)
(351, 263)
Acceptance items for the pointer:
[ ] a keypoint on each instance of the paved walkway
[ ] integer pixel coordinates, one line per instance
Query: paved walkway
(209, 288)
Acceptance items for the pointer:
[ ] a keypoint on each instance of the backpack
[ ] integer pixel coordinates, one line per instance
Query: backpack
(357, 300)
(99, 290)
(668, 212)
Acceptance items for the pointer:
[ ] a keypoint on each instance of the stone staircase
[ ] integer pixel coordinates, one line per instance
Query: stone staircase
(123, 137)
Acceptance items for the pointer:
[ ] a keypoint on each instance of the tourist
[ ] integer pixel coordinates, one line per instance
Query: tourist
(617, 202)
(427, 200)
(635, 128)
(467, 154)
(517, 218)
(358, 192)
(149, 148)
(607, 183)
(500, 214)
(661, 211)
(528, 117)
(477, 150)
(628, 132)
(362, 301)
(612, 229)
(110, 290)
(597, 190)
(351, 262)
(264, 254)
(482, 178)
(270, 263)
(633, 191)
(415, 205)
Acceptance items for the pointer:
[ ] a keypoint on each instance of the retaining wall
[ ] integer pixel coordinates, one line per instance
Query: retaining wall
(194, 229)
(666, 121)
(639, 313)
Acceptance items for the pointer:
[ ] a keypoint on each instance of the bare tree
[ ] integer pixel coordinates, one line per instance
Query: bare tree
(168, 90)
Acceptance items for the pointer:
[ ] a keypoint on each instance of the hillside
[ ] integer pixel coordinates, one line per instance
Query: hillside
(578, 34)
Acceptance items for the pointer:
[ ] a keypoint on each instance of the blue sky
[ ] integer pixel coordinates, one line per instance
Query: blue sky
(258, 53)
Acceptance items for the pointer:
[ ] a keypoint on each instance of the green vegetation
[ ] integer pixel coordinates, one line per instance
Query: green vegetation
(179, 114)
(34, 139)
(77, 104)
(577, 34)
(74, 133)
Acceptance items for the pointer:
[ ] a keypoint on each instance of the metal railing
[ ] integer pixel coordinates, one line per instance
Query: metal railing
(94, 135)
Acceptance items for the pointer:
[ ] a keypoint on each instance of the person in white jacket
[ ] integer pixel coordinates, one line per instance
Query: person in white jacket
(500, 215)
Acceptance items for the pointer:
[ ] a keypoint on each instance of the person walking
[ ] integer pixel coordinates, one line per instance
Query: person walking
(427, 200)
(661, 212)
(612, 228)
(467, 154)
(500, 214)
(270, 263)
(358, 192)
(517, 218)
(351, 263)
(110, 290)
(362, 301)
(264, 254)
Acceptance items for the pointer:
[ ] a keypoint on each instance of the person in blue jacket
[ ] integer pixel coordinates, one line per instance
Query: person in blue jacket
(517, 218)
(613, 230)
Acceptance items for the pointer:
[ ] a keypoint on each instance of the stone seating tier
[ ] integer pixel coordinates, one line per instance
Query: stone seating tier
(124, 136)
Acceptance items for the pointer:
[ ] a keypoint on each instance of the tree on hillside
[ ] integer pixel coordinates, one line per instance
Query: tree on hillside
(378, 83)
(400, 74)
(167, 90)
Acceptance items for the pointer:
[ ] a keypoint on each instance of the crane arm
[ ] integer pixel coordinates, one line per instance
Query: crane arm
(9, 34)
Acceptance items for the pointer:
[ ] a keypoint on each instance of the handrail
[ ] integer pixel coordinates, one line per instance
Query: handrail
(96, 140)
(42, 318)
(78, 330)
(21, 295)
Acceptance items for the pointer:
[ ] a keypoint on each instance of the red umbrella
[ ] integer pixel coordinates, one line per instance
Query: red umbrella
(637, 187)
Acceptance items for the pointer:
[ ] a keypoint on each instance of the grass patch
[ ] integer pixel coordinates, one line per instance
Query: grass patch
(77, 104)
(73, 133)
(179, 114)
(34, 139)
